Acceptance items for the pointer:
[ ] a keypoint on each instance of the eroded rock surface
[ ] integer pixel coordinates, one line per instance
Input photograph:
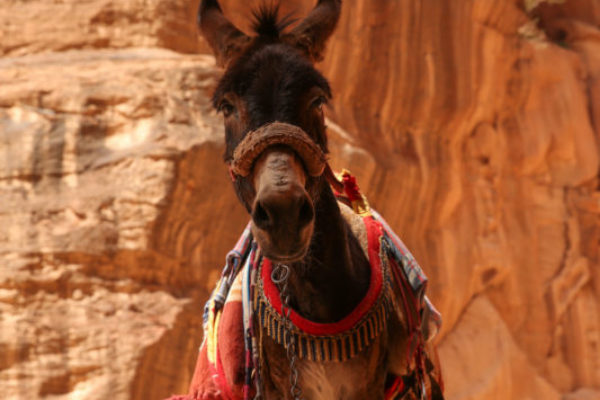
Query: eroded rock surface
(111, 163)
(473, 127)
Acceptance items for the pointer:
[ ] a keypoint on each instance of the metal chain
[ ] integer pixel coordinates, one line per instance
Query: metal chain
(279, 276)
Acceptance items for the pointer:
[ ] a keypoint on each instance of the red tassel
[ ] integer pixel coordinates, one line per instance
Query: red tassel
(351, 188)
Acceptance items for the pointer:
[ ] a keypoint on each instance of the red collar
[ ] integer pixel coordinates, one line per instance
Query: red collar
(374, 234)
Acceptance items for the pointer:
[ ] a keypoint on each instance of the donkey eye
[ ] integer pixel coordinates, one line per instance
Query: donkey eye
(318, 102)
(226, 108)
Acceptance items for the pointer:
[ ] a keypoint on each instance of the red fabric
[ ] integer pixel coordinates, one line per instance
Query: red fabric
(225, 380)
(374, 233)
(231, 351)
(351, 187)
(203, 385)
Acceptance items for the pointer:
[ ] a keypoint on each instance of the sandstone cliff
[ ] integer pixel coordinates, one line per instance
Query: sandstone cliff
(473, 127)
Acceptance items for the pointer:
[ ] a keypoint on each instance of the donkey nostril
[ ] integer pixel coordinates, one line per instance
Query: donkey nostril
(260, 216)
(306, 213)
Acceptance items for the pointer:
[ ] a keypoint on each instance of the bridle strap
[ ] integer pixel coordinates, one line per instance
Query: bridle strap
(272, 134)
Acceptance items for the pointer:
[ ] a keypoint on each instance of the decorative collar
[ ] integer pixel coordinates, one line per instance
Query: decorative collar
(341, 340)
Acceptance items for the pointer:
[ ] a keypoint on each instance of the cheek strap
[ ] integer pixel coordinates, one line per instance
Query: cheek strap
(277, 133)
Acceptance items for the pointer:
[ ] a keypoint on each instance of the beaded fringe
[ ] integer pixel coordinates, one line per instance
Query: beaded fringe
(341, 347)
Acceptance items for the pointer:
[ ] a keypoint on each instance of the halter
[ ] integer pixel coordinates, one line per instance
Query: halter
(277, 133)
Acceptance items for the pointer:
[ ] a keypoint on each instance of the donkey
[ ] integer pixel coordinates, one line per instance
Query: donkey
(271, 98)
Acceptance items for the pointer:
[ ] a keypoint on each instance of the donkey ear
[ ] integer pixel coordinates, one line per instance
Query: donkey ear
(224, 39)
(312, 33)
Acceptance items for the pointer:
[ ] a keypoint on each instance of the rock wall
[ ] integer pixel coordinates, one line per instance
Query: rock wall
(485, 127)
(473, 127)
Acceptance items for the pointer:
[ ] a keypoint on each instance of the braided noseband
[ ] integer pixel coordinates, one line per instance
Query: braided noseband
(277, 133)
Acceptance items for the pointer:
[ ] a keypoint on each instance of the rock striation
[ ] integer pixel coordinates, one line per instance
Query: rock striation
(109, 169)
(472, 126)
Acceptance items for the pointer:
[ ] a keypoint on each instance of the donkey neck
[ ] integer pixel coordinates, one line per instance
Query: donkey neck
(334, 276)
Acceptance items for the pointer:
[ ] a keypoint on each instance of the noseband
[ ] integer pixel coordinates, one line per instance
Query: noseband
(277, 133)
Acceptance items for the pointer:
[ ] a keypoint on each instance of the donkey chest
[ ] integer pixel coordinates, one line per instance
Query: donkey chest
(359, 378)
(340, 381)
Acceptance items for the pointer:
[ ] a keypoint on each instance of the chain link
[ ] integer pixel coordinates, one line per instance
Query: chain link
(279, 276)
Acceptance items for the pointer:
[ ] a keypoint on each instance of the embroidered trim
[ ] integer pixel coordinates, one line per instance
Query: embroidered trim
(326, 342)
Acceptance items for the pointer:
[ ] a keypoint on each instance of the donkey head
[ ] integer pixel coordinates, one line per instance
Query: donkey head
(271, 98)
